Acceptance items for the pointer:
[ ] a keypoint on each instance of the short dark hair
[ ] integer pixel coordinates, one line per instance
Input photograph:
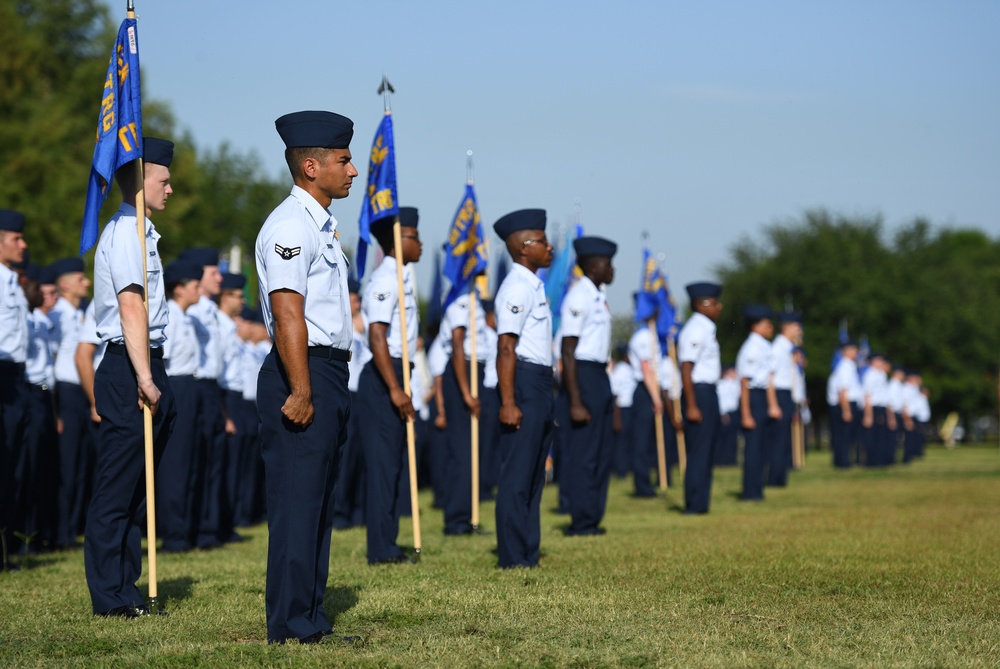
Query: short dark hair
(295, 155)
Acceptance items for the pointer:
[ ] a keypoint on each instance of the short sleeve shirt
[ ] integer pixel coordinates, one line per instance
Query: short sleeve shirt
(297, 250)
(753, 362)
(585, 314)
(181, 350)
(67, 321)
(523, 311)
(38, 366)
(784, 367)
(457, 316)
(118, 265)
(88, 334)
(641, 348)
(13, 317)
(381, 305)
(697, 344)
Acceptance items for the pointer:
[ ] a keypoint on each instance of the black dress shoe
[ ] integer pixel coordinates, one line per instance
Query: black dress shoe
(592, 532)
(399, 559)
(128, 611)
(330, 637)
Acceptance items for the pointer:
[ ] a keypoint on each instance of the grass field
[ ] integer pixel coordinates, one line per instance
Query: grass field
(897, 568)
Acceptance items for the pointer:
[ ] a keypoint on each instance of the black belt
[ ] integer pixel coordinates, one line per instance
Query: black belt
(9, 366)
(591, 363)
(329, 353)
(119, 349)
(534, 367)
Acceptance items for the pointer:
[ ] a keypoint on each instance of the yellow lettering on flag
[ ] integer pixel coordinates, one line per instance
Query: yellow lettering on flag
(381, 201)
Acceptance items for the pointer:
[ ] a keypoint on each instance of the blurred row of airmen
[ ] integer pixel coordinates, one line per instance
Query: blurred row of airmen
(208, 480)
(875, 410)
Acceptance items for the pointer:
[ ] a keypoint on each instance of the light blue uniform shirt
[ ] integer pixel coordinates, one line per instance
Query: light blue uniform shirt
(697, 344)
(181, 351)
(118, 265)
(623, 384)
(438, 353)
(38, 367)
(457, 316)
(490, 366)
(585, 314)
(641, 347)
(254, 355)
(753, 362)
(66, 320)
(381, 305)
(204, 315)
(845, 377)
(360, 355)
(296, 250)
(88, 335)
(875, 383)
(231, 375)
(523, 311)
(785, 370)
(13, 317)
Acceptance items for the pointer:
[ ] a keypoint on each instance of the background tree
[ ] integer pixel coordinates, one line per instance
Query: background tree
(53, 59)
(930, 300)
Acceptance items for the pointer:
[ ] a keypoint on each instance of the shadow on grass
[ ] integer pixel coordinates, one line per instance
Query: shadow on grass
(340, 600)
(175, 589)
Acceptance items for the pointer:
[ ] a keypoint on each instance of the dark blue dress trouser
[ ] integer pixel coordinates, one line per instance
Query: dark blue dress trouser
(300, 470)
(384, 443)
(175, 473)
(753, 447)
(112, 549)
(522, 468)
(700, 442)
(457, 502)
(588, 448)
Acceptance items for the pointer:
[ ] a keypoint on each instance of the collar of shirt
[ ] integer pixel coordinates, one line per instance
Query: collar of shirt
(704, 322)
(321, 217)
(518, 268)
(129, 210)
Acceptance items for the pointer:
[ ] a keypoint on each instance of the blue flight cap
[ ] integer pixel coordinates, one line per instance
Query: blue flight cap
(201, 255)
(488, 305)
(703, 289)
(522, 219)
(849, 342)
(181, 270)
(34, 272)
(253, 314)
(47, 277)
(756, 312)
(408, 218)
(12, 221)
(790, 317)
(594, 246)
(65, 266)
(233, 281)
(158, 151)
(320, 129)
(353, 285)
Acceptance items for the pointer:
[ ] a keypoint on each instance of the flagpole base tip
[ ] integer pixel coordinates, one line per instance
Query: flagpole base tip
(154, 608)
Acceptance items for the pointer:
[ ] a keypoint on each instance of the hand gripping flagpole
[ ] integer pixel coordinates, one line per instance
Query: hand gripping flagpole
(411, 441)
(147, 412)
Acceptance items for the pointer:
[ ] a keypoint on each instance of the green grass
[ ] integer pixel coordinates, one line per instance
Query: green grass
(894, 568)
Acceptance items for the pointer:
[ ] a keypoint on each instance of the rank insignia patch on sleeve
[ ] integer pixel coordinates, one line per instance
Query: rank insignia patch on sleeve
(287, 253)
(381, 297)
(514, 308)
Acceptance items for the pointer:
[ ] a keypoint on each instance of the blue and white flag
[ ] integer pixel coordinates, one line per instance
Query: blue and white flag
(119, 127)
(465, 252)
(381, 199)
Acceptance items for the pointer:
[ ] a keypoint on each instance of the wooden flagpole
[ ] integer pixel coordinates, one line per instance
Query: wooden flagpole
(147, 412)
(411, 441)
(661, 449)
(681, 444)
(473, 418)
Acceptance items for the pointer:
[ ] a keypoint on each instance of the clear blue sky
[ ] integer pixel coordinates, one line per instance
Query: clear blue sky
(697, 121)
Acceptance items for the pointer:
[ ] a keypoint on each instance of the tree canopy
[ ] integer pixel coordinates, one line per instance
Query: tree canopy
(53, 59)
(928, 298)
